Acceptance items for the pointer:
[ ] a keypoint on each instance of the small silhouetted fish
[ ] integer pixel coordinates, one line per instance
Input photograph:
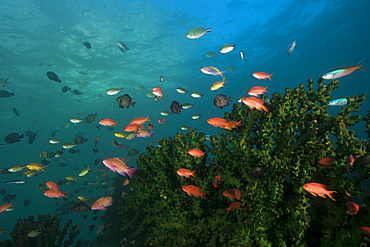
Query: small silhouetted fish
(26, 203)
(16, 112)
(71, 195)
(2, 192)
(5, 94)
(66, 89)
(32, 139)
(98, 127)
(62, 164)
(13, 138)
(362, 161)
(122, 47)
(110, 128)
(85, 217)
(9, 197)
(87, 44)
(221, 100)
(259, 172)
(53, 133)
(97, 161)
(45, 162)
(95, 218)
(29, 133)
(52, 76)
(4, 171)
(76, 92)
(175, 107)
(94, 150)
(132, 152)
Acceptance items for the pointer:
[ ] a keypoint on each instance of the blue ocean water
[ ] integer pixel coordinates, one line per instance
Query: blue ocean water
(41, 36)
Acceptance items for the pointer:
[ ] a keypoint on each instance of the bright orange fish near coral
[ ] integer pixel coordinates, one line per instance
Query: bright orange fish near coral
(4, 207)
(233, 206)
(257, 90)
(185, 172)
(318, 189)
(233, 193)
(253, 102)
(196, 152)
(193, 190)
(352, 208)
(217, 181)
(157, 91)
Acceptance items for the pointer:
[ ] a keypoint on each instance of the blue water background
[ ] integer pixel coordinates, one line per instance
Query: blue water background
(41, 36)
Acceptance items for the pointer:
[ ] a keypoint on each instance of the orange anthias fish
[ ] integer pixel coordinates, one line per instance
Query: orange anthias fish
(150, 126)
(217, 122)
(117, 165)
(55, 194)
(132, 127)
(217, 181)
(185, 173)
(253, 102)
(233, 206)
(318, 189)
(4, 207)
(196, 152)
(51, 185)
(350, 160)
(157, 91)
(262, 75)
(352, 208)
(233, 193)
(102, 203)
(193, 190)
(366, 230)
(140, 120)
(257, 90)
(326, 161)
(233, 124)
(108, 122)
(161, 121)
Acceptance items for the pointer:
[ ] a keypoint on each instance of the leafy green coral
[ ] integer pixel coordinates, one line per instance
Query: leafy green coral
(49, 235)
(289, 139)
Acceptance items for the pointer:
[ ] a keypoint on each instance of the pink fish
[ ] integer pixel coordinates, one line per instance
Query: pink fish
(102, 203)
(144, 133)
(117, 165)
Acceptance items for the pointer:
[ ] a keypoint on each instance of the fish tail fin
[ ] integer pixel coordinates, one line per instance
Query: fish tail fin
(147, 118)
(65, 194)
(151, 134)
(115, 124)
(289, 58)
(269, 76)
(130, 172)
(192, 173)
(360, 65)
(203, 195)
(221, 73)
(208, 30)
(133, 104)
(330, 194)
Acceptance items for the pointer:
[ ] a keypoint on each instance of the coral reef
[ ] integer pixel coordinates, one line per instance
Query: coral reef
(289, 139)
(49, 233)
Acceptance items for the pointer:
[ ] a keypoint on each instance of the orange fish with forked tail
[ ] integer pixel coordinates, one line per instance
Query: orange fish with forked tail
(139, 120)
(262, 75)
(193, 190)
(253, 102)
(233, 193)
(55, 194)
(318, 189)
(257, 90)
(196, 152)
(108, 122)
(217, 181)
(185, 173)
(4, 207)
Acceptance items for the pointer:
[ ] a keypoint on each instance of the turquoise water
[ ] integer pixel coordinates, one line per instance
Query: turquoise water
(41, 36)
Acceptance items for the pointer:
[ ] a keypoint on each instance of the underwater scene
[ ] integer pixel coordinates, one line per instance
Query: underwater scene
(184, 123)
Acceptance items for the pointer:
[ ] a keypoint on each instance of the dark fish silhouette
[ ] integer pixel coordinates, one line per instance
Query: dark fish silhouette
(259, 172)
(13, 138)
(26, 203)
(362, 161)
(2, 192)
(76, 92)
(53, 133)
(87, 44)
(31, 135)
(8, 197)
(66, 89)
(175, 107)
(52, 76)
(125, 101)
(16, 112)
(122, 47)
(5, 94)
(221, 100)
(90, 117)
